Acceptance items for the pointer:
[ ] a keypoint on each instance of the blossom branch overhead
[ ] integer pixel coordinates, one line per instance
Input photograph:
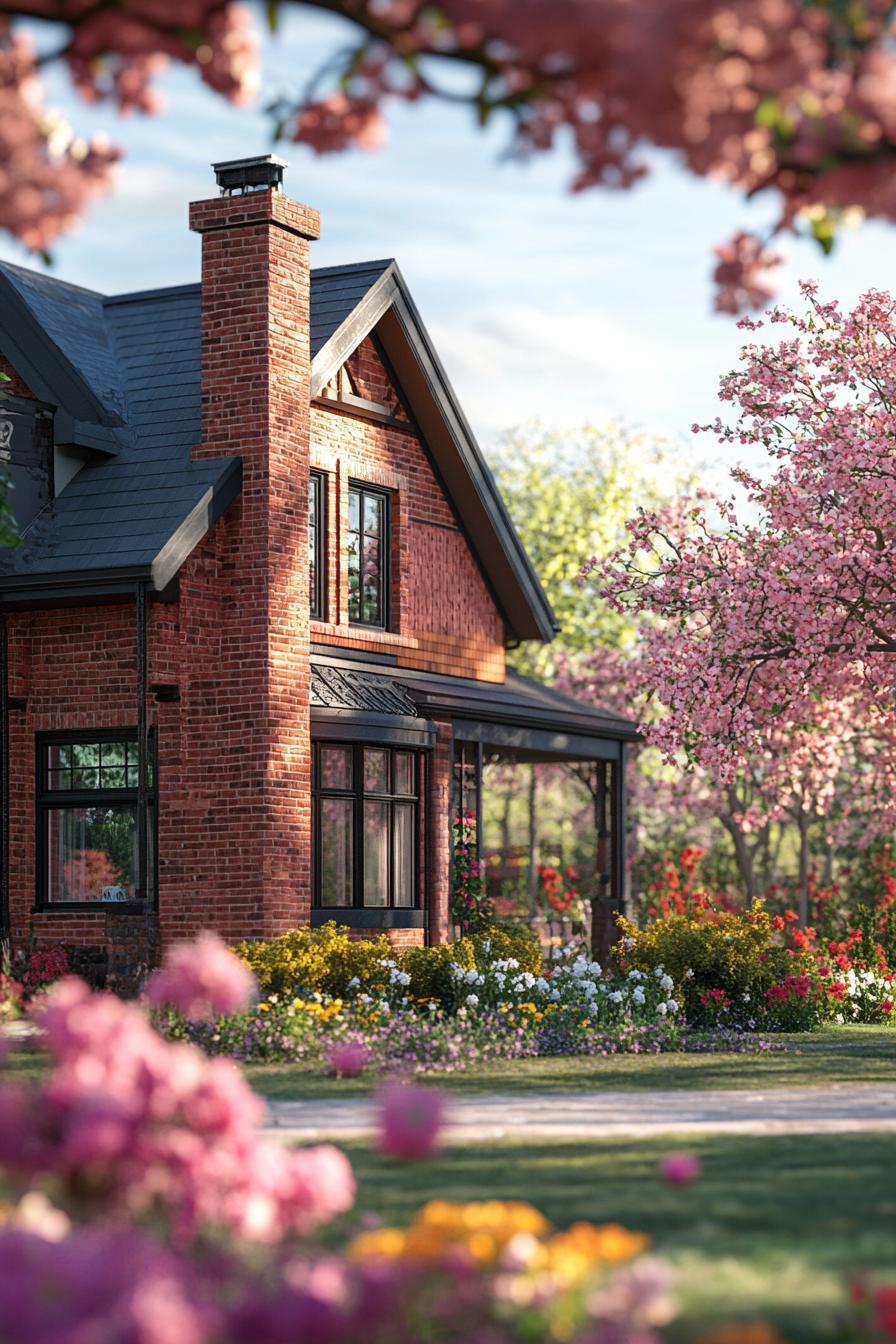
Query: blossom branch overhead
(774, 97)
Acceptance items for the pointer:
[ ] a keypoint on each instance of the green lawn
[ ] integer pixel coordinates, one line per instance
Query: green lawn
(834, 1055)
(839, 1055)
(773, 1228)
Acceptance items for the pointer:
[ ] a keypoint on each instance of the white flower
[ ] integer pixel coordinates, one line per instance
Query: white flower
(839, 1018)
(487, 945)
(746, 998)
(636, 975)
(365, 998)
(354, 983)
(472, 1000)
(638, 996)
(672, 1005)
(666, 984)
(689, 974)
(660, 971)
(472, 977)
(589, 989)
(541, 985)
(595, 968)
(628, 942)
(500, 977)
(661, 1010)
(555, 995)
(616, 996)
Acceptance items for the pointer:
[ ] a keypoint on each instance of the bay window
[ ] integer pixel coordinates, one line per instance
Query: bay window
(366, 827)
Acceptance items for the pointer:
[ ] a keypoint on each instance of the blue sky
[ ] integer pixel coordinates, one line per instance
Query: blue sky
(568, 308)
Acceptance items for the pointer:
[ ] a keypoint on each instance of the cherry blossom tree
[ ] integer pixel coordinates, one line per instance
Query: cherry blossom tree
(768, 630)
(792, 98)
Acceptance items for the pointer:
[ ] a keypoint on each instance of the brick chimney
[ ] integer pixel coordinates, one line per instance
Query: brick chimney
(255, 398)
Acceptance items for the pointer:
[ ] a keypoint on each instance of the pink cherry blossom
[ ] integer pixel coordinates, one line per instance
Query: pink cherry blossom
(410, 1121)
(202, 980)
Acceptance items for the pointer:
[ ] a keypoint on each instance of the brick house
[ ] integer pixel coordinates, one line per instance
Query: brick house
(252, 638)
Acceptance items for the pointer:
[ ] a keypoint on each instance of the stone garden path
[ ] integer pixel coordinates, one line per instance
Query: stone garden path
(836, 1109)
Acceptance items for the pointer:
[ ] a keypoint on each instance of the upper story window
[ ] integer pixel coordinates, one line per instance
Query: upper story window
(368, 556)
(317, 545)
(87, 800)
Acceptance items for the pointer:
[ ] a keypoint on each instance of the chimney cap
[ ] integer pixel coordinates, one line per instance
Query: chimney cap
(264, 172)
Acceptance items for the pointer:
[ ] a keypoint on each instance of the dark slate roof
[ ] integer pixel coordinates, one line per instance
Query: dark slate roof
(336, 292)
(124, 371)
(342, 688)
(138, 354)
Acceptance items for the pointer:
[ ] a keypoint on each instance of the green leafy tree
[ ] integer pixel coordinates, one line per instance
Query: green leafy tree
(569, 494)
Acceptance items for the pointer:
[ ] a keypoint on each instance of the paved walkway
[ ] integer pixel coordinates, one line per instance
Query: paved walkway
(838, 1109)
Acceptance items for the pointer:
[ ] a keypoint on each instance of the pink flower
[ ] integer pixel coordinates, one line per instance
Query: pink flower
(680, 1168)
(410, 1119)
(348, 1058)
(202, 979)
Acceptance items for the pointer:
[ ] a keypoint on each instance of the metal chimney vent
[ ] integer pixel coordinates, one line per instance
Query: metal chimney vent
(237, 176)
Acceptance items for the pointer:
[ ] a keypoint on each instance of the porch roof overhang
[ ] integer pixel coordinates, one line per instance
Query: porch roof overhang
(352, 704)
(519, 717)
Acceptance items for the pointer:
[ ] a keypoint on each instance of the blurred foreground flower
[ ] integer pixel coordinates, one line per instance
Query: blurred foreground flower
(680, 1168)
(348, 1058)
(202, 980)
(410, 1120)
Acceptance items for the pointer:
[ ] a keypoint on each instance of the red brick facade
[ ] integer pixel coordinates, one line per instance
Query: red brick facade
(234, 749)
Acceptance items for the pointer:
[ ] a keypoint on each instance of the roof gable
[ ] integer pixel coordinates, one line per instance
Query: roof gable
(388, 310)
(124, 371)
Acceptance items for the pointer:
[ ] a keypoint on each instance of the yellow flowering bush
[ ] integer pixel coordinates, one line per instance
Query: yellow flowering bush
(328, 961)
(324, 960)
(732, 954)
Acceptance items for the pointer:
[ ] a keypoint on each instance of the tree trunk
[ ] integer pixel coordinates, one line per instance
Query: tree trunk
(802, 822)
(743, 855)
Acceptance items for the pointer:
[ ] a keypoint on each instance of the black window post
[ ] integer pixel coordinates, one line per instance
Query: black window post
(142, 791)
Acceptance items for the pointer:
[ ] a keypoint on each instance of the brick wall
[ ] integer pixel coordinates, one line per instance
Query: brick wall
(233, 751)
(444, 617)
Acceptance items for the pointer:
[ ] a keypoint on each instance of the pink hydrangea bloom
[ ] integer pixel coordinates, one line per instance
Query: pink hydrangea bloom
(202, 979)
(680, 1168)
(348, 1058)
(410, 1121)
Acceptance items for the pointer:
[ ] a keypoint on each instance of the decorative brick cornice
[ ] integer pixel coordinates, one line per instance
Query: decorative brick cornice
(255, 207)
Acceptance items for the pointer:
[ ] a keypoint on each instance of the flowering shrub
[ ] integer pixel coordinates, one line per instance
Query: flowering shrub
(42, 967)
(558, 890)
(724, 968)
(471, 909)
(674, 888)
(327, 961)
(322, 961)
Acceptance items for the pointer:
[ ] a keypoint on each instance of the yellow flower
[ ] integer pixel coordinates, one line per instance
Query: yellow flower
(574, 1253)
(264, 1007)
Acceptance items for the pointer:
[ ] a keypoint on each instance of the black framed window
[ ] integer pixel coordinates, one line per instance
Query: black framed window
(87, 801)
(368, 556)
(366, 827)
(317, 544)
